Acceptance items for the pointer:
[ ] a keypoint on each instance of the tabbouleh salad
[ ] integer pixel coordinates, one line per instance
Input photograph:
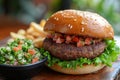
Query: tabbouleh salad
(19, 52)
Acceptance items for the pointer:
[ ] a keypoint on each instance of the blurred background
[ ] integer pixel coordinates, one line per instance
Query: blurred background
(27, 11)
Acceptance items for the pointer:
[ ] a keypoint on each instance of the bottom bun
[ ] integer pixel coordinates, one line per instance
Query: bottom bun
(86, 69)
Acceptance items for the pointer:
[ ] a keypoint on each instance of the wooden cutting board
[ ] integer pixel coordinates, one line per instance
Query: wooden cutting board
(107, 73)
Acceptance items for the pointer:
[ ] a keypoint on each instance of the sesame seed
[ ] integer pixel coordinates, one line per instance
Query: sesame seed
(82, 29)
(70, 26)
(56, 18)
(74, 19)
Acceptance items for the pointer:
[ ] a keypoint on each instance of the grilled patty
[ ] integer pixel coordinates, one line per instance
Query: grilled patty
(69, 51)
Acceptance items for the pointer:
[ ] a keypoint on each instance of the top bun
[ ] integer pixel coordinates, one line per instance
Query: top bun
(75, 22)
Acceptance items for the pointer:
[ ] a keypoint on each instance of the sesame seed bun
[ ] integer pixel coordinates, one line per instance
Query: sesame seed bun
(82, 23)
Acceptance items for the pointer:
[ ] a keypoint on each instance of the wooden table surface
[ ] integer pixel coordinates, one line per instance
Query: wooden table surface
(8, 24)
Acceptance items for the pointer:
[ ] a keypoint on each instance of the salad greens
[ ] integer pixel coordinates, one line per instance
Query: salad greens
(19, 52)
(107, 57)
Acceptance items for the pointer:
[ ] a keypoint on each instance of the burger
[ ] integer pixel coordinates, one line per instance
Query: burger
(79, 42)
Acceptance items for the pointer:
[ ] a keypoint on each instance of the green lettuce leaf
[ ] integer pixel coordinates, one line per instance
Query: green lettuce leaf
(107, 57)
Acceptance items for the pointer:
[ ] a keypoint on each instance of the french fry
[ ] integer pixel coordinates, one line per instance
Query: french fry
(42, 22)
(30, 37)
(35, 32)
(38, 42)
(30, 30)
(21, 32)
(15, 35)
(37, 28)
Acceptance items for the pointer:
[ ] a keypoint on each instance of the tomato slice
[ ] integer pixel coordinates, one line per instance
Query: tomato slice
(16, 49)
(31, 51)
(59, 40)
(19, 47)
(35, 60)
(68, 39)
(75, 39)
(88, 41)
(80, 43)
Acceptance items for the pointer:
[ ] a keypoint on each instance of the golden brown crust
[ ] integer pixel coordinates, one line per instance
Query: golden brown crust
(79, 23)
(86, 69)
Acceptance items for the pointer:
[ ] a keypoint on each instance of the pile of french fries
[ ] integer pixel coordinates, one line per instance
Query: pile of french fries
(35, 32)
